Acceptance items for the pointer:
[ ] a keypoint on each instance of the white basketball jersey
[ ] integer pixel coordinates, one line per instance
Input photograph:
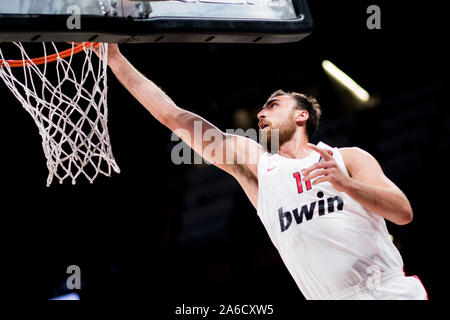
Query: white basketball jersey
(332, 246)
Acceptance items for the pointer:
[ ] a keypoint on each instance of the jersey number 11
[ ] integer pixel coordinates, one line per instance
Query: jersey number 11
(298, 179)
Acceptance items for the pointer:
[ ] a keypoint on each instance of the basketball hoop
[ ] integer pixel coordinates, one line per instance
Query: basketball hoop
(69, 107)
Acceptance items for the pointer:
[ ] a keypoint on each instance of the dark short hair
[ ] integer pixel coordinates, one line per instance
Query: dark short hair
(309, 104)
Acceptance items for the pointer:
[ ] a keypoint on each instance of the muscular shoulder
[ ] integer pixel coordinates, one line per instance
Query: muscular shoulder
(355, 153)
(355, 158)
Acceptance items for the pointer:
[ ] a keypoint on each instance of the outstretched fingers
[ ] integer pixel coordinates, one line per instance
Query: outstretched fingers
(320, 171)
(316, 173)
(316, 166)
(323, 152)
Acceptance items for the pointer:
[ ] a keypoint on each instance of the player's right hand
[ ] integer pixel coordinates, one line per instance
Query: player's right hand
(113, 51)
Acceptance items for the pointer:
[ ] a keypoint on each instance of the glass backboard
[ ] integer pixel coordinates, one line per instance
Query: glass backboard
(256, 21)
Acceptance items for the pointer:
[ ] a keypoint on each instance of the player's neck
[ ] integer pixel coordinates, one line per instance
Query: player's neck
(296, 147)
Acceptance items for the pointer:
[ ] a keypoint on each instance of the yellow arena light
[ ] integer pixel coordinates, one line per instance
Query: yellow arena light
(345, 80)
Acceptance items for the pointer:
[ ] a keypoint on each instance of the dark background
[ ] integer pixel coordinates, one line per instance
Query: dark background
(168, 234)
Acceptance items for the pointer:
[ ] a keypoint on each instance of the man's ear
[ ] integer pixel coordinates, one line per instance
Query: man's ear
(301, 115)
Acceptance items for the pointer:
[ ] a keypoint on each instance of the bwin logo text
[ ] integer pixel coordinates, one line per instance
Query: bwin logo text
(307, 211)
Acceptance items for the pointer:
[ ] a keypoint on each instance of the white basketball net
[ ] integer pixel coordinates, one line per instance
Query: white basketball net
(68, 104)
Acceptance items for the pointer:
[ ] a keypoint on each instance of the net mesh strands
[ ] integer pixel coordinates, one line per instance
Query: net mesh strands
(68, 102)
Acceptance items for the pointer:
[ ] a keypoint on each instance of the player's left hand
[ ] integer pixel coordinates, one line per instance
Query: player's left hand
(326, 170)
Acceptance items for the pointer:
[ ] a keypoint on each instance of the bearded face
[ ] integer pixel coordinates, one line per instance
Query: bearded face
(274, 133)
(279, 120)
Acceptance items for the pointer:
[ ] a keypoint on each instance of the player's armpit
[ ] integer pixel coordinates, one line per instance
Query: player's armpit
(235, 154)
(242, 155)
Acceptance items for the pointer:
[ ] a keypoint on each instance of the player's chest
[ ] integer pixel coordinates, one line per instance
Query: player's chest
(287, 175)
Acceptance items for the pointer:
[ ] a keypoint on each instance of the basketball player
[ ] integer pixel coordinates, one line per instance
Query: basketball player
(323, 207)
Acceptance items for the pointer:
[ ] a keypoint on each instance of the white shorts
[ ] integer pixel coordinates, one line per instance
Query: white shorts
(392, 285)
(402, 288)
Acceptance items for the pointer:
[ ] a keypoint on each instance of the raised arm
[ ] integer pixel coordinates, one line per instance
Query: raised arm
(234, 154)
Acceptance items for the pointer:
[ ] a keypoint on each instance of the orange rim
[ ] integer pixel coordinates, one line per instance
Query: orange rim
(50, 58)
